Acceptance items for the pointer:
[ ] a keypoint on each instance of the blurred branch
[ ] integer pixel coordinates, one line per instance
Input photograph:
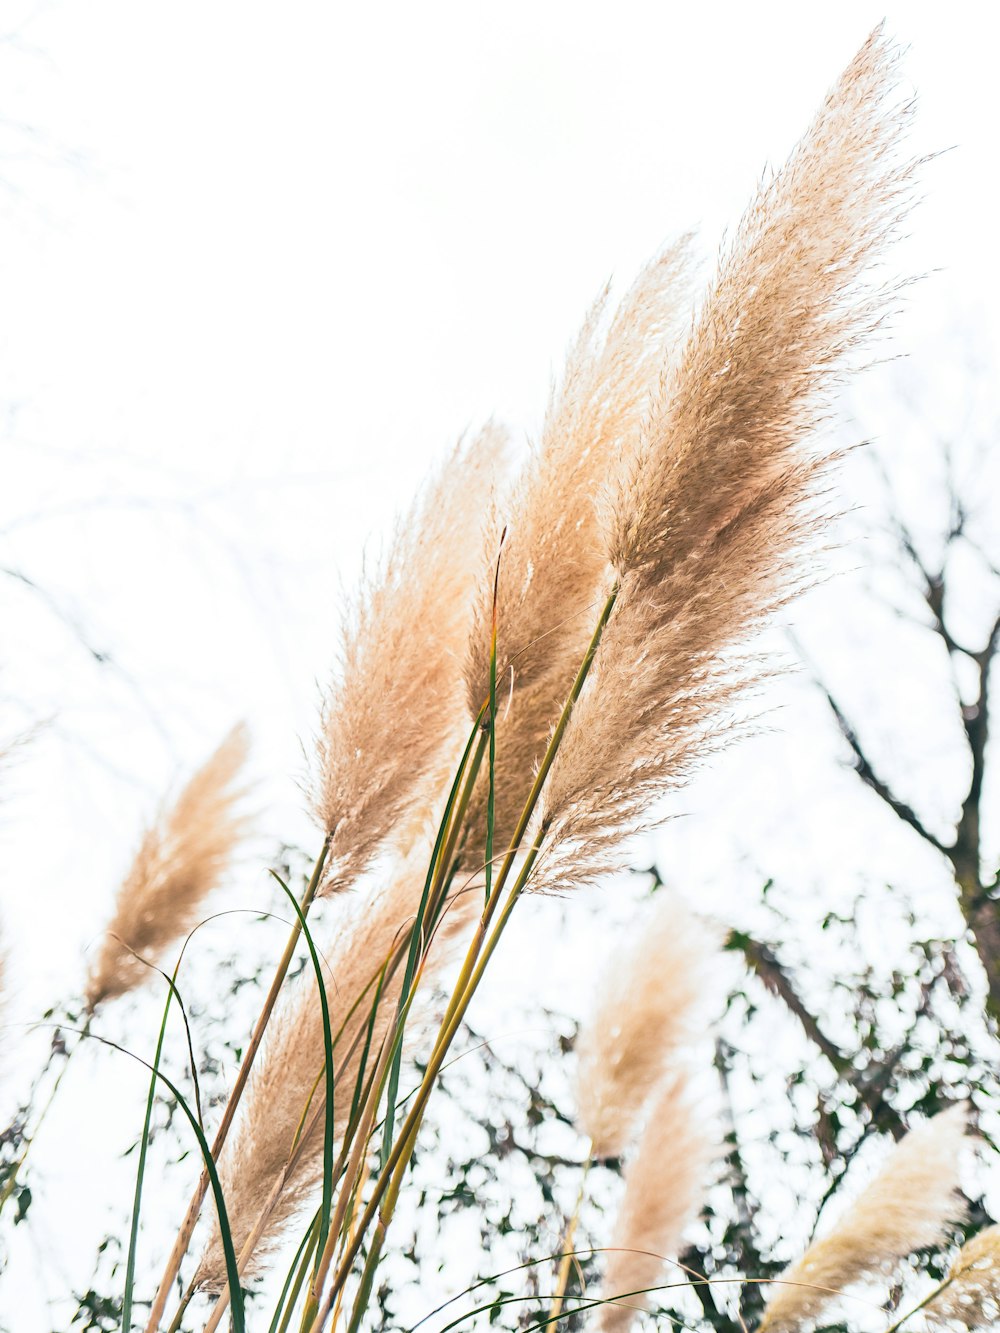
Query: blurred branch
(60, 612)
(765, 965)
(863, 766)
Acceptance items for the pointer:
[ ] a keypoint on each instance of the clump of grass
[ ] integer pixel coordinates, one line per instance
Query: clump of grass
(672, 496)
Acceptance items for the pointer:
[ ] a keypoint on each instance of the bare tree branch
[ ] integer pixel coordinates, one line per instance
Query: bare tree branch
(763, 962)
(866, 772)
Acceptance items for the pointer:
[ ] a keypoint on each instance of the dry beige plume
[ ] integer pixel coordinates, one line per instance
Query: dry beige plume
(705, 516)
(972, 1297)
(388, 728)
(553, 560)
(291, 1062)
(646, 1006)
(181, 859)
(909, 1205)
(665, 1186)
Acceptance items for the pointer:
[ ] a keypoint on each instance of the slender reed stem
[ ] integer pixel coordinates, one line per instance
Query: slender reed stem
(437, 872)
(435, 892)
(186, 1300)
(296, 1276)
(361, 1139)
(568, 1255)
(309, 1118)
(140, 1174)
(931, 1295)
(388, 1185)
(194, 1207)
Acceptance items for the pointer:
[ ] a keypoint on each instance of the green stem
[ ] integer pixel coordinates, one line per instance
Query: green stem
(296, 1276)
(140, 1174)
(186, 1300)
(444, 847)
(437, 870)
(387, 1188)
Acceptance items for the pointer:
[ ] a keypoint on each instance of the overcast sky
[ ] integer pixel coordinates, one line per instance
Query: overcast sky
(261, 264)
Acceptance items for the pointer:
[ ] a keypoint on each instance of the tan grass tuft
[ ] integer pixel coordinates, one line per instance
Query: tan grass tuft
(909, 1205)
(665, 1185)
(181, 860)
(554, 560)
(646, 1007)
(388, 727)
(706, 514)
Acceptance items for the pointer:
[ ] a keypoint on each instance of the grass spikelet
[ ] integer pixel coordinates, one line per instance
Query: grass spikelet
(706, 514)
(554, 559)
(181, 860)
(792, 296)
(647, 1000)
(971, 1297)
(665, 1185)
(388, 725)
(910, 1204)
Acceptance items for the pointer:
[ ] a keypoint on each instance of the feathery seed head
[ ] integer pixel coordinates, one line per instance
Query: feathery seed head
(646, 1007)
(909, 1205)
(181, 860)
(554, 562)
(665, 1186)
(708, 510)
(391, 720)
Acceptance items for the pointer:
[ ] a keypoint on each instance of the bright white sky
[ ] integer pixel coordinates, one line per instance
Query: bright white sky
(260, 264)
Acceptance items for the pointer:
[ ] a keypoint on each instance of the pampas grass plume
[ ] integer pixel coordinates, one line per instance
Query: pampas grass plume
(388, 725)
(910, 1204)
(647, 1001)
(708, 518)
(181, 860)
(665, 1185)
(553, 560)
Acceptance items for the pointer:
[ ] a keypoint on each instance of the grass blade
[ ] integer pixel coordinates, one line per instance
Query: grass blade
(297, 1270)
(232, 1274)
(133, 1238)
(327, 1204)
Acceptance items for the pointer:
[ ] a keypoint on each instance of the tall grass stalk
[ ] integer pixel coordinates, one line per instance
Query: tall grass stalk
(141, 1168)
(567, 1257)
(328, 1104)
